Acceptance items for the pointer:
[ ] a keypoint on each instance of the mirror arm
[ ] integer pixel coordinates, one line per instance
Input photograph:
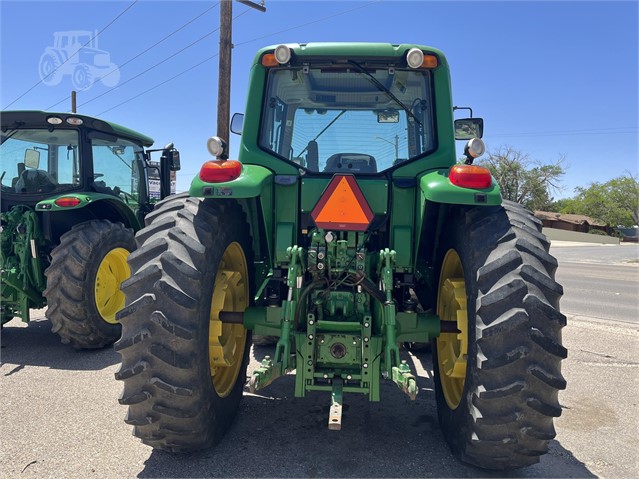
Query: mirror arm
(455, 108)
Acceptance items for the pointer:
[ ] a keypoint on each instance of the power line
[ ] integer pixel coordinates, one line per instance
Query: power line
(142, 52)
(160, 63)
(157, 86)
(150, 68)
(74, 53)
(235, 45)
(308, 23)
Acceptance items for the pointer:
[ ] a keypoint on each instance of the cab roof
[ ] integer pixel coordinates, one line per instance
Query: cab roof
(353, 50)
(38, 119)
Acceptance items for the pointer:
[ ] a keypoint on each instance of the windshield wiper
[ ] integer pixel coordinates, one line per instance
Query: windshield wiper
(383, 88)
(113, 150)
(6, 137)
(326, 128)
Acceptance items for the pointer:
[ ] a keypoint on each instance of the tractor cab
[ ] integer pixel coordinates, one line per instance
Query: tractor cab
(48, 155)
(74, 182)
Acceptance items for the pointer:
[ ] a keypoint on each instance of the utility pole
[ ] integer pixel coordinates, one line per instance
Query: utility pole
(396, 144)
(224, 78)
(224, 81)
(73, 102)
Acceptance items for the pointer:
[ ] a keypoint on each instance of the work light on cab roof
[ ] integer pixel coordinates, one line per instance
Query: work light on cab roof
(282, 54)
(415, 58)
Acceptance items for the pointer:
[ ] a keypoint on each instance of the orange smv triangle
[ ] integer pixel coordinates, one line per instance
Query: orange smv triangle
(342, 206)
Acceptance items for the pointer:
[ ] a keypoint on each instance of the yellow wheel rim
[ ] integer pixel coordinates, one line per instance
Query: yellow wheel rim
(227, 341)
(112, 271)
(452, 348)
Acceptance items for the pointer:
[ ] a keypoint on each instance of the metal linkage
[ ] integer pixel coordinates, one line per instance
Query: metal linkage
(22, 270)
(264, 375)
(391, 352)
(405, 380)
(270, 370)
(335, 412)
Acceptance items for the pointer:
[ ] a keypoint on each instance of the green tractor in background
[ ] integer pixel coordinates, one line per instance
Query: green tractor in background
(346, 228)
(75, 189)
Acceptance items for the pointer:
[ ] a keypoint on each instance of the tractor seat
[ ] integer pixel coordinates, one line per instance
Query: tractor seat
(351, 162)
(35, 181)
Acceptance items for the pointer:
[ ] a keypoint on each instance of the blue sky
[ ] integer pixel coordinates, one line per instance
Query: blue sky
(549, 78)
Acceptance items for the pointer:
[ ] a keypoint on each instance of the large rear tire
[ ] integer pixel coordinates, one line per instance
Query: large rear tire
(83, 283)
(497, 381)
(183, 370)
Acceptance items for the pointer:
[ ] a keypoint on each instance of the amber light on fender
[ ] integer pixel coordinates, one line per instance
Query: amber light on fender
(470, 176)
(67, 201)
(218, 171)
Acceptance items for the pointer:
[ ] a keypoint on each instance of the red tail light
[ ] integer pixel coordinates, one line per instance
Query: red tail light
(67, 201)
(470, 176)
(218, 171)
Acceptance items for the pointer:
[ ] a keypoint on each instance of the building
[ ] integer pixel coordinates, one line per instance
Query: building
(571, 222)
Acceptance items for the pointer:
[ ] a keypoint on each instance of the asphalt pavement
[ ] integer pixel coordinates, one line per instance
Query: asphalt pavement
(61, 417)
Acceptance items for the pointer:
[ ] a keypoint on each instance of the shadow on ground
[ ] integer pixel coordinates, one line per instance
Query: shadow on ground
(35, 345)
(277, 435)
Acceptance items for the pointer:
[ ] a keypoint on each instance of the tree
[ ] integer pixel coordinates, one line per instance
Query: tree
(522, 180)
(557, 206)
(615, 202)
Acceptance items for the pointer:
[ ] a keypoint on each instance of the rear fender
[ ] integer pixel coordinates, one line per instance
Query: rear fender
(252, 181)
(59, 219)
(436, 187)
(438, 199)
(254, 191)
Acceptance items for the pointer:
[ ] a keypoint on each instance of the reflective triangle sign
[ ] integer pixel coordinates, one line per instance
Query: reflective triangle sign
(342, 206)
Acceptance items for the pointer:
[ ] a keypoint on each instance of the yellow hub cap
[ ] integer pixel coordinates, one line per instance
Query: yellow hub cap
(227, 341)
(112, 271)
(452, 348)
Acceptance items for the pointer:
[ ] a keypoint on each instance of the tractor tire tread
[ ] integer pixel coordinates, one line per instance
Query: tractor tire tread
(518, 347)
(74, 263)
(164, 296)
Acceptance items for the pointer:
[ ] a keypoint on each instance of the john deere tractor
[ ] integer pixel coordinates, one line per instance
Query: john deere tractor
(345, 228)
(74, 191)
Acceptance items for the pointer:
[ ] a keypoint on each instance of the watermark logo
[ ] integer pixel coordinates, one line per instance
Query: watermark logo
(76, 54)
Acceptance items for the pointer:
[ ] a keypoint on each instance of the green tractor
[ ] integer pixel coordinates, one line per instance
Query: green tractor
(345, 229)
(74, 191)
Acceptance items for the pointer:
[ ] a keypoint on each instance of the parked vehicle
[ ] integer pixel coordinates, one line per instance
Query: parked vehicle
(345, 210)
(74, 192)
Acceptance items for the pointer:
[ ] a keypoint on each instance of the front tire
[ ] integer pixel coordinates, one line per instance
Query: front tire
(83, 283)
(497, 381)
(183, 370)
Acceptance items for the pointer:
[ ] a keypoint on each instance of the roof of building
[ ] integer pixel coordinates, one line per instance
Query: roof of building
(568, 218)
